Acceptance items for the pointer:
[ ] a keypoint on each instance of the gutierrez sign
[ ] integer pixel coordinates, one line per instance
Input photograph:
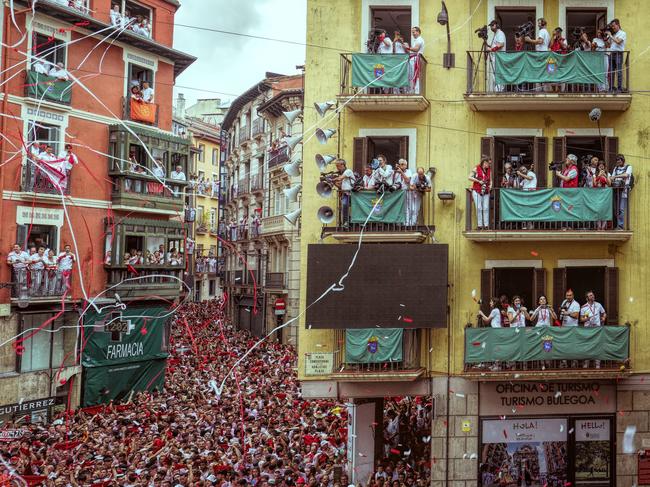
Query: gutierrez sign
(501, 398)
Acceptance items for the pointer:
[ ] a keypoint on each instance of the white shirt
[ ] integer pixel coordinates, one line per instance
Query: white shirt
(619, 47)
(618, 170)
(593, 312)
(348, 178)
(368, 181)
(399, 47)
(574, 307)
(415, 179)
(400, 179)
(41, 68)
(499, 38)
(529, 184)
(18, 260)
(147, 94)
(543, 316)
(65, 261)
(36, 153)
(158, 171)
(66, 164)
(386, 46)
(419, 42)
(116, 18)
(519, 319)
(59, 73)
(180, 176)
(383, 173)
(495, 318)
(37, 261)
(546, 40)
(600, 44)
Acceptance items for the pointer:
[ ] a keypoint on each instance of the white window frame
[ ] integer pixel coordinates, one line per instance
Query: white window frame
(411, 133)
(494, 4)
(123, 10)
(47, 29)
(366, 23)
(604, 131)
(153, 67)
(564, 4)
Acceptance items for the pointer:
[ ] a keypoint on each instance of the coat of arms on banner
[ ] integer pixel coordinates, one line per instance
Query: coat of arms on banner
(378, 205)
(556, 204)
(379, 70)
(551, 65)
(547, 343)
(373, 344)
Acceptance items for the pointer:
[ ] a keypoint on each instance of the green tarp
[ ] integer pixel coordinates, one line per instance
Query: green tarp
(546, 343)
(556, 205)
(48, 88)
(369, 346)
(391, 209)
(115, 382)
(382, 70)
(136, 334)
(587, 67)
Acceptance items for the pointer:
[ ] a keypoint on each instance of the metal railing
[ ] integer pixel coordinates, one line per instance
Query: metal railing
(205, 264)
(148, 186)
(257, 182)
(243, 187)
(497, 225)
(278, 156)
(410, 357)
(258, 127)
(37, 181)
(275, 280)
(144, 275)
(343, 220)
(481, 79)
(244, 135)
(417, 76)
(40, 283)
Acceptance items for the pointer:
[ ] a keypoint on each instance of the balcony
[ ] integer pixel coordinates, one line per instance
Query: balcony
(547, 352)
(35, 180)
(387, 224)
(383, 82)
(140, 111)
(40, 285)
(258, 127)
(47, 88)
(202, 228)
(243, 187)
(142, 191)
(276, 225)
(205, 265)
(278, 156)
(257, 183)
(244, 135)
(514, 81)
(145, 281)
(353, 362)
(577, 214)
(275, 281)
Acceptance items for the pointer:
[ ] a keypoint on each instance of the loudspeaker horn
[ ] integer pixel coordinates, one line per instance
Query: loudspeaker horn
(323, 161)
(324, 135)
(325, 214)
(293, 140)
(322, 108)
(292, 115)
(293, 216)
(323, 189)
(292, 169)
(595, 114)
(292, 193)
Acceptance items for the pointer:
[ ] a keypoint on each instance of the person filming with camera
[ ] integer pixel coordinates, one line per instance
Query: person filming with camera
(622, 179)
(481, 178)
(383, 175)
(420, 184)
(569, 173)
(618, 37)
(543, 39)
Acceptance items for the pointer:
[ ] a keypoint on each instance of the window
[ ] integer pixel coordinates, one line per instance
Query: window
(38, 236)
(137, 75)
(201, 152)
(368, 148)
(212, 287)
(44, 133)
(526, 282)
(605, 148)
(213, 218)
(135, 10)
(529, 150)
(589, 20)
(199, 215)
(603, 281)
(49, 348)
(215, 157)
(510, 19)
(53, 51)
(391, 19)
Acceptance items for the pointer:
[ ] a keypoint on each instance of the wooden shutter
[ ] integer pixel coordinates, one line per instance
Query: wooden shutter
(487, 289)
(360, 157)
(539, 287)
(559, 287)
(611, 295)
(611, 151)
(404, 148)
(539, 160)
(559, 154)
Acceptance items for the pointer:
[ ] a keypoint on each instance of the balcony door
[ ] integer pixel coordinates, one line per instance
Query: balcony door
(586, 19)
(529, 150)
(526, 282)
(603, 281)
(510, 19)
(392, 19)
(603, 147)
(368, 148)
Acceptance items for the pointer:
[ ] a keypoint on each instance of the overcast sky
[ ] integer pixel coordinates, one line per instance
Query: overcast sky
(233, 63)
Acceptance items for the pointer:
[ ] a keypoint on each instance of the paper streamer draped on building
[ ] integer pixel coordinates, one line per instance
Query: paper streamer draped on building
(380, 70)
(583, 67)
(556, 205)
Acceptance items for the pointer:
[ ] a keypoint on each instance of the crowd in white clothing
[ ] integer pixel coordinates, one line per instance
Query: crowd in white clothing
(138, 24)
(40, 270)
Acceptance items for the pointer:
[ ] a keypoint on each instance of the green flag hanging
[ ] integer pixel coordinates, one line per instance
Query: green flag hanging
(585, 67)
(48, 88)
(382, 70)
(369, 346)
(391, 208)
(556, 205)
(546, 343)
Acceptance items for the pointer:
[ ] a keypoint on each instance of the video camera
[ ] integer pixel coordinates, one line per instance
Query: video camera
(515, 160)
(555, 166)
(482, 32)
(526, 29)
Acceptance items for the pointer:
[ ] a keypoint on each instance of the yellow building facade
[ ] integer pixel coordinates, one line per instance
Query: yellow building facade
(460, 114)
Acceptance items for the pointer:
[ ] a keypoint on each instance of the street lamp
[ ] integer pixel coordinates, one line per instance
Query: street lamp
(448, 58)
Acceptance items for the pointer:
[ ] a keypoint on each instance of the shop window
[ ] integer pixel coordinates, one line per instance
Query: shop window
(48, 49)
(368, 148)
(47, 349)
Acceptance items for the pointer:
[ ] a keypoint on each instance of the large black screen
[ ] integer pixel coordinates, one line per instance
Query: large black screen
(390, 285)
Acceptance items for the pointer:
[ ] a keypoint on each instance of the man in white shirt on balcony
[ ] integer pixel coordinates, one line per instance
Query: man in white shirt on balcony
(65, 260)
(116, 16)
(416, 49)
(592, 314)
(385, 44)
(498, 44)
(368, 178)
(158, 169)
(178, 174)
(147, 92)
(618, 39)
(419, 185)
(59, 72)
(41, 67)
(383, 174)
(543, 40)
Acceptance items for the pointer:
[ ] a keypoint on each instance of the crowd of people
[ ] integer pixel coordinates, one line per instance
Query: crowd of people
(610, 39)
(203, 186)
(141, 91)
(247, 227)
(206, 264)
(41, 271)
(155, 257)
(257, 430)
(47, 172)
(381, 43)
(592, 174)
(80, 5)
(138, 24)
(44, 67)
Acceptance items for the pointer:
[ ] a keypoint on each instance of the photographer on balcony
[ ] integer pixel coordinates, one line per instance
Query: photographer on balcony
(481, 178)
(368, 178)
(420, 184)
(621, 178)
(592, 314)
(569, 173)
(509, 179)
(618, 37)
(498, 44)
